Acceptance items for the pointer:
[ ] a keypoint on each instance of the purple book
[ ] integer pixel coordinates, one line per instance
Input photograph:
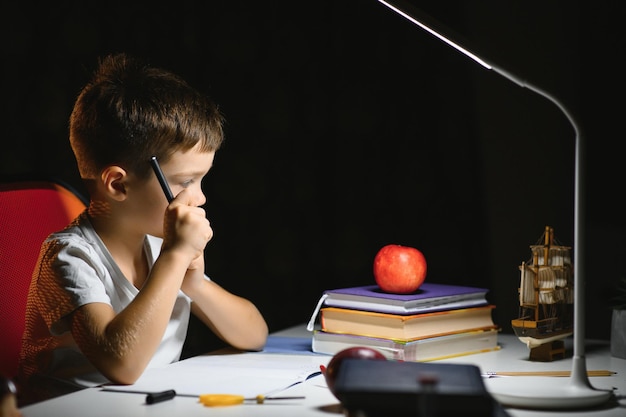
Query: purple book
(428, 298)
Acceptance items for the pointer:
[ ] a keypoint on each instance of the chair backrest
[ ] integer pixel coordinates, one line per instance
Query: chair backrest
(29, 212)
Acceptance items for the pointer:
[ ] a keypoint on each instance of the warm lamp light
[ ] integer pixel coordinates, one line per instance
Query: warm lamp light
(540, 392)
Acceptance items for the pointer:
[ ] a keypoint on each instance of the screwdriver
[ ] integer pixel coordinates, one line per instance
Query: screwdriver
(215, 400)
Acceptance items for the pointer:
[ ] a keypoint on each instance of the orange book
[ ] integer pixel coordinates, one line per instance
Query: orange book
(403, 327)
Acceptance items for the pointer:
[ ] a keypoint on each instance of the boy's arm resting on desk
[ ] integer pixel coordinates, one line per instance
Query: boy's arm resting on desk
(234, 319)
(120, 345)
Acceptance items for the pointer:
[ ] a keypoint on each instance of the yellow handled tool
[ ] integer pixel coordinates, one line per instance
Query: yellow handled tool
(219, 400)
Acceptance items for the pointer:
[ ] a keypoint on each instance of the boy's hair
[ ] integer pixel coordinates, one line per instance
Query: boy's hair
(130, 111)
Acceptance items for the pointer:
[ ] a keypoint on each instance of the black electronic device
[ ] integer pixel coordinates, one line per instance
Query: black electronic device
(375, 388)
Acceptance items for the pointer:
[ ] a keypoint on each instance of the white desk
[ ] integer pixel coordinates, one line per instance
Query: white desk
(320, 402)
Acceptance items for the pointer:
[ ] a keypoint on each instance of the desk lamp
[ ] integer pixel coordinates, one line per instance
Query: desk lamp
(536, 392)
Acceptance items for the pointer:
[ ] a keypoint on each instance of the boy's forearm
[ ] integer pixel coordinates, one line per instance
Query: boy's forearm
(121, 345)
(235, 319)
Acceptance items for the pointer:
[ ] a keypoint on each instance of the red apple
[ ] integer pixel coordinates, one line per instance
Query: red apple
(357, 352)
(399, 269)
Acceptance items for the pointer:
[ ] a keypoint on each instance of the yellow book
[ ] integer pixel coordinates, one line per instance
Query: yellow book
(403, 327)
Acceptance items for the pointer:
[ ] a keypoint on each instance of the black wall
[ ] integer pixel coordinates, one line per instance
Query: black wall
(349, 128)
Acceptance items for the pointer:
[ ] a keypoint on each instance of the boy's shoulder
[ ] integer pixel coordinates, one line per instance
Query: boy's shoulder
(79, 233)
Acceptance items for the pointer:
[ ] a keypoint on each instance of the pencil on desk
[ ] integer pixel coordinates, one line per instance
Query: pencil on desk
(548, 373)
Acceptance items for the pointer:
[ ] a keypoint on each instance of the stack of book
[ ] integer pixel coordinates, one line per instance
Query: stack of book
(437, 321)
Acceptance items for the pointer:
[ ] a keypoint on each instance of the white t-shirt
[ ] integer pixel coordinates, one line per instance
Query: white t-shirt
(74, 269)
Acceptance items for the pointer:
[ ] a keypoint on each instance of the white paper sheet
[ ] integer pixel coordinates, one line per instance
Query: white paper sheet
(243, 374)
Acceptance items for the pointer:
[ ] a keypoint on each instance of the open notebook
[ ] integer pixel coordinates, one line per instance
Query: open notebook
(239, 373)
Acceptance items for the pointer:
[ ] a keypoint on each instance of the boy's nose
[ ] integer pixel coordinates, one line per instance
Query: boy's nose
(200, 198)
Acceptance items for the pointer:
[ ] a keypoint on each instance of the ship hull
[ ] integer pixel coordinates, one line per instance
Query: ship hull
(533, 334)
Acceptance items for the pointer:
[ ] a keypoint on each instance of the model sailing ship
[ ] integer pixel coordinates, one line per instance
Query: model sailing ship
(546, 295)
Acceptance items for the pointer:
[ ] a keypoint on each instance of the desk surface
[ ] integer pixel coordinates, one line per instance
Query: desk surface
(320, 402)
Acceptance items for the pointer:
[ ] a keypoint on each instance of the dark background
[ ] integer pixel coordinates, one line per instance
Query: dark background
(349, 128)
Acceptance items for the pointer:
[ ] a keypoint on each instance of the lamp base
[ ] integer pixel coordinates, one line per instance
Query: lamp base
(544, 393)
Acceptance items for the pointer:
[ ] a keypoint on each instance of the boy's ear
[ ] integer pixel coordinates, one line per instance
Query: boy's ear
(114, 179)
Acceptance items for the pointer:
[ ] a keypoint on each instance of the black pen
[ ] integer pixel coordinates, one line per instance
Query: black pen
(159, 174)
(157, 397)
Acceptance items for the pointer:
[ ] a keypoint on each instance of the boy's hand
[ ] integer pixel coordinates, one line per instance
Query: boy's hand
(186, 229)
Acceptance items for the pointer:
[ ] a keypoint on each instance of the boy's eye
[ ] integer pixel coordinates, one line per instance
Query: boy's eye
(187, 183)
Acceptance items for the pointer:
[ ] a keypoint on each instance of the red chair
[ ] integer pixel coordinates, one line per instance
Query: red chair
(29, 212)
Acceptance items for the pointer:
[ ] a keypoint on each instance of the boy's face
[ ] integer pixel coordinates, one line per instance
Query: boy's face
(184, 170)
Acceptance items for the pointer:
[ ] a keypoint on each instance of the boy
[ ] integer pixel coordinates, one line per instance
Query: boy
(111, 294)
